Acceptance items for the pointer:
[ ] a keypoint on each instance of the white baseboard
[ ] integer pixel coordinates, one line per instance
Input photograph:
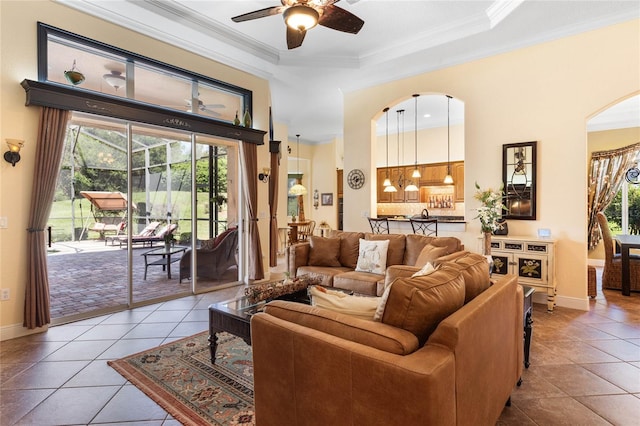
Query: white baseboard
(18, 330)
(563, 301)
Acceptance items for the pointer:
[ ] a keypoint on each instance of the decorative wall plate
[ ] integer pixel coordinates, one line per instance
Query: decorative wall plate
(355, 179)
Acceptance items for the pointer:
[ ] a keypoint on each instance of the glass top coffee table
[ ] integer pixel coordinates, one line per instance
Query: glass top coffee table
(234, 316)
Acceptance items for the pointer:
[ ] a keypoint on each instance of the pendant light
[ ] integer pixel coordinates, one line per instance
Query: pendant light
(298, 189)
(388, 187)
(416, 173)
(387, 181)
(448, 179)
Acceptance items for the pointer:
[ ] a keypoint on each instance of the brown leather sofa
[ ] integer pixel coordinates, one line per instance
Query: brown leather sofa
(334, 258)
(433, 359)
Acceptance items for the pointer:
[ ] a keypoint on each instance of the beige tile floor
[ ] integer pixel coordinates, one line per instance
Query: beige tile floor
(585, 366)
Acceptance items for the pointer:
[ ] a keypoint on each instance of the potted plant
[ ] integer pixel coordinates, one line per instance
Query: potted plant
(168, 240)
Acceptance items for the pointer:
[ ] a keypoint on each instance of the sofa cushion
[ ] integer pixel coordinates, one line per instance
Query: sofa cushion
(325, 272)
(324, 251)
(372, 256)
(405, 272)
(359, 282)
(395, 254)
(338, 301)
(419, 304)
(429, 254)
(475, 271)
(349, 247)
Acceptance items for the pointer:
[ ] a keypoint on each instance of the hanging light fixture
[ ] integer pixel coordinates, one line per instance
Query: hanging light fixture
(412, 187)
(298, 189)
(448, 179)
(388, 187)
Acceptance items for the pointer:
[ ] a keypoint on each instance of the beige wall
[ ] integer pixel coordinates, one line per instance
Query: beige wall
(544, 93)
(19, 61)
(602, 141)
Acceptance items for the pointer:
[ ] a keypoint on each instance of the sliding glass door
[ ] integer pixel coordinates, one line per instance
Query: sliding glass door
(130, 200)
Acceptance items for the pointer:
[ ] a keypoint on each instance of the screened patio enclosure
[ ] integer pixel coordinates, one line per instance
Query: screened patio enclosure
(106, 164)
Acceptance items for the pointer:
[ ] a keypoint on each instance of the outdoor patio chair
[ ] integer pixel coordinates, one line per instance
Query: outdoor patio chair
(148, 230)
(214, 256)
(148, 240)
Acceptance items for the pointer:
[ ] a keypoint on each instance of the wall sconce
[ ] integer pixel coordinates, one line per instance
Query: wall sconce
(264, 176)
(316, 199)
(13, 155)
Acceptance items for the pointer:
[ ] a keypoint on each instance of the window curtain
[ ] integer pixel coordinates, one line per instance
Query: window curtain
(249, 159)
(50, 143)
(274, 149)
(606, 172)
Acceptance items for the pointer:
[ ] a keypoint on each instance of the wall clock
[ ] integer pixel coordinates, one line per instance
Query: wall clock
(355, 179)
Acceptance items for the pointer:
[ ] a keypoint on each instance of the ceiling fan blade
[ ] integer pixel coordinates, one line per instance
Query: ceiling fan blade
(268, 11)
(294, 37)
(339, 19)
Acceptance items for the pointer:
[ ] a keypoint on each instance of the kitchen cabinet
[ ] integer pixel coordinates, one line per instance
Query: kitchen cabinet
(383, 197)
(411, 196)
(433, 174)
(457, 171)
(430, 175)
(531, 259)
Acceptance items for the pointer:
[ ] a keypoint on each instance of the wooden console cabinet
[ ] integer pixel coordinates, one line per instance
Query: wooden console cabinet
(531, 259)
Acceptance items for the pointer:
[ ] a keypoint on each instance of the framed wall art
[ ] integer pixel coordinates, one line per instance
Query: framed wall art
(327, 198)
(519, 180)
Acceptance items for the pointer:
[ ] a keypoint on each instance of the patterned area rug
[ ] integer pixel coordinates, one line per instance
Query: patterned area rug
(179, 376)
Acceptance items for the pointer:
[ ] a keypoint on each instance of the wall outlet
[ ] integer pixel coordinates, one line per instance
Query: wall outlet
(4, 294)
(4, 223)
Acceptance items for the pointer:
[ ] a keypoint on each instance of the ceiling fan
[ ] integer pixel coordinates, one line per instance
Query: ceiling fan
(204, 107)
(302, 15)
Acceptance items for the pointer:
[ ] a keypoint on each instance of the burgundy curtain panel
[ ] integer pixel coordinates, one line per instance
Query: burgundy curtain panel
(250, 173)
(51, 133)
(274, 149)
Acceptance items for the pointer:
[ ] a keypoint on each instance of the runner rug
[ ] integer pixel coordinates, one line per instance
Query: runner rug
(179, 376)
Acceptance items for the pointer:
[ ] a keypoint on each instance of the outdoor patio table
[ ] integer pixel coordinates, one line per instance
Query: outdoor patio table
(167, 256)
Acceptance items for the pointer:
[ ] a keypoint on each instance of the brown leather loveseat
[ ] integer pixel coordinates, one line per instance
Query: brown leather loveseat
(447, 351)
(334, 259)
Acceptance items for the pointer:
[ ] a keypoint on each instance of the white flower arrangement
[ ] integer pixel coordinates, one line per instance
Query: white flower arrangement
(491, 209)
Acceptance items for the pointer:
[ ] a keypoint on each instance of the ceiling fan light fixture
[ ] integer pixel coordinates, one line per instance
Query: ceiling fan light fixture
(115, 79)
(301, 18)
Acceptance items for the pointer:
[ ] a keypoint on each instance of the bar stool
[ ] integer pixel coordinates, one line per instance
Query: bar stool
(428, 227)
(379, 225)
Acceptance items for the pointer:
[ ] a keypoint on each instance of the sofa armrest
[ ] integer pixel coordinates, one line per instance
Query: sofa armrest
(486, 337)
(297, 256)
(371, 333)
(304, 376)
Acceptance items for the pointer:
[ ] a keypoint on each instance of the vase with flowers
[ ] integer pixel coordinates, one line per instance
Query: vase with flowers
(489, 212)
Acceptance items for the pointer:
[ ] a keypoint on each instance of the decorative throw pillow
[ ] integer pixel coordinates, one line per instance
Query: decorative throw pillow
(324, 251)
(430, 253)
(372, 256)
(208, 244)
(427, 269)
(221, 236)
(337, 301)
